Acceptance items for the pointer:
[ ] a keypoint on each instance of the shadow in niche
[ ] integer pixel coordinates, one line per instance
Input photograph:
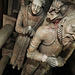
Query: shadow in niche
(47, 5)
(67, 69)
(62, 71)
(9, 71)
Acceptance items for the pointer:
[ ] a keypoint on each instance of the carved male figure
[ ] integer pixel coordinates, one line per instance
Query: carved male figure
(52, 41)
(28, 18)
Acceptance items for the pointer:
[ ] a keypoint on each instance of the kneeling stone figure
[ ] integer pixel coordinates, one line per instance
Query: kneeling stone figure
(51, 42)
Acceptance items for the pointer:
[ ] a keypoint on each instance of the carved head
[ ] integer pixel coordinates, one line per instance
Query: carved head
(54, 10)
(36, 6)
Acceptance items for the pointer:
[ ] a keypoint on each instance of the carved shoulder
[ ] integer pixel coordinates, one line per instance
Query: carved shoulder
(42, 31)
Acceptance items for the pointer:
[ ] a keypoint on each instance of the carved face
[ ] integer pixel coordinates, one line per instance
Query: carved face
(54, 10)
(52, 15)
(36, 6)
(35, 9)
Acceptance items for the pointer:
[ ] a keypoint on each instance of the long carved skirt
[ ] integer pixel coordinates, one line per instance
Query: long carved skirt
(19, 51)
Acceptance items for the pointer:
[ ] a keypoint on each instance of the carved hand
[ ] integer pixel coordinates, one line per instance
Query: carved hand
(53, 61)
